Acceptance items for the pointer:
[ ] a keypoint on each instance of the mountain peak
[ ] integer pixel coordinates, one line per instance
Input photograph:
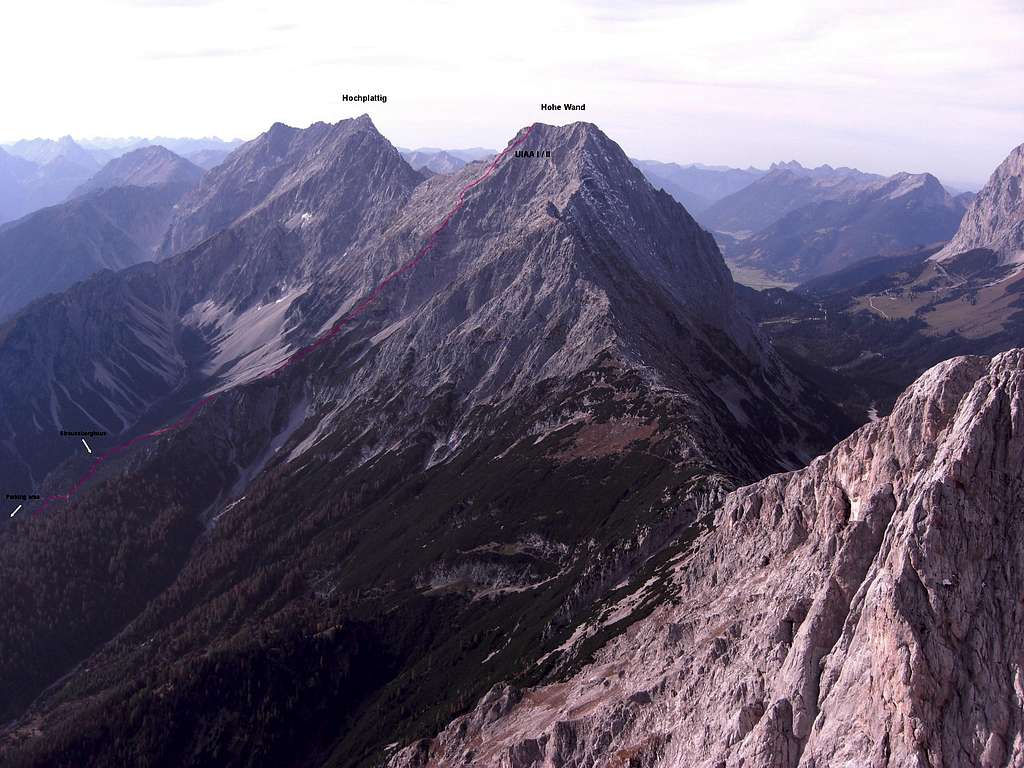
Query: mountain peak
(824, 173)
(276, 138)
(280, 136)
(578, 151)
(905, 183)
(600, 194)
(791, 165)
(580, 133)
(146, 167)
(287, 163)
(278, 127)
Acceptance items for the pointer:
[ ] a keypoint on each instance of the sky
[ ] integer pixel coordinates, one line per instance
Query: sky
(884, 86)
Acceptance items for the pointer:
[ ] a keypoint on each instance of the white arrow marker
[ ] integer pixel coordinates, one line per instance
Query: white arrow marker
(86, 445)
(16, 510)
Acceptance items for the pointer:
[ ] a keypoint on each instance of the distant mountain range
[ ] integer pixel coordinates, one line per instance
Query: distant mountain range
(35, 173)
(114, 220)
(27, 185)
(207, 158)
(784, 188)
(790, 223)
(434, 161)
(106, 149)
(98, 151)
(867, 219)
(873, 325)
(43, 151)
(469, 155)
(697, 186)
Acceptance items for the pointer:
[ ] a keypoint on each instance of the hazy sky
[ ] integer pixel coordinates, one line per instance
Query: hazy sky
(933, 85)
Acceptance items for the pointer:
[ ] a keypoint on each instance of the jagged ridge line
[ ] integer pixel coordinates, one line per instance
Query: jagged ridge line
(303, 352)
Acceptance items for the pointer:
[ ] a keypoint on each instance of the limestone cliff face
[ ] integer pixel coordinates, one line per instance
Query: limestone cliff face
(863, 611)
(995, 220)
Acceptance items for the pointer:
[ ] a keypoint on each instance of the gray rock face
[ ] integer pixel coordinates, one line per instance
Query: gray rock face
(995, 220)
(863, 611)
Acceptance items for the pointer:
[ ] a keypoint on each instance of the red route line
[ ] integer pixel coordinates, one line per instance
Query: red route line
(302, 352)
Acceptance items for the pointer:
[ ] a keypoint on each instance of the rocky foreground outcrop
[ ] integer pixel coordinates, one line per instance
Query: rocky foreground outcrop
(864, 611)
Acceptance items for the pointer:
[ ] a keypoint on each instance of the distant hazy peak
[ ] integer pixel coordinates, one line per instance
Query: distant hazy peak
(145, 167)
(43, 151)
(468, 155)
(110, 147)
(435, 162)
(207, 159)
(903, 183)
(824, 172)
(791, 165)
